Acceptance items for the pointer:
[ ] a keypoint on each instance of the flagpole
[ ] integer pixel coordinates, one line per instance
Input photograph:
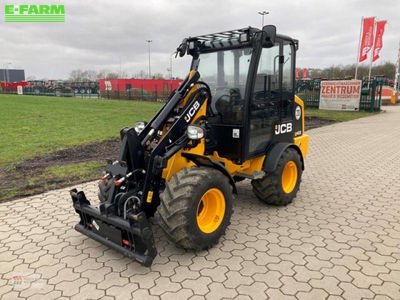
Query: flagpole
(396, 79)
(372, 54)
(359, 46)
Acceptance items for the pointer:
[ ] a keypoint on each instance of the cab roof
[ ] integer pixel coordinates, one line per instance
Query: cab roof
(227, 39)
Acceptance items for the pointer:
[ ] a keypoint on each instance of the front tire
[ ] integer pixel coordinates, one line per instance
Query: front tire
(281, 186)
(196, 207)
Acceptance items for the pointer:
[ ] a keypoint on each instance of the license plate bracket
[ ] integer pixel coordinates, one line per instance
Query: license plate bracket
(108, 231)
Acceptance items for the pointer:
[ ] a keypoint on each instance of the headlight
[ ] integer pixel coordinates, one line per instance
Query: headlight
(195, 132)
(139, 126)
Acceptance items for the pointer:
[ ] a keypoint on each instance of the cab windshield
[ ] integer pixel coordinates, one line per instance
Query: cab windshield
(226, 74)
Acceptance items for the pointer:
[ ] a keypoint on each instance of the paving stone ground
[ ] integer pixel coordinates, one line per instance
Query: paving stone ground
(340, 239)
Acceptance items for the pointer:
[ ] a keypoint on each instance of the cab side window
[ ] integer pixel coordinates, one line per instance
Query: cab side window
(287, 81)
(226, 74)
(265, 101)
(266, 93)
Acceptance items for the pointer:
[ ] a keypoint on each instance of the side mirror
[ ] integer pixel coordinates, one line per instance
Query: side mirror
(270, 33)
(182, 48)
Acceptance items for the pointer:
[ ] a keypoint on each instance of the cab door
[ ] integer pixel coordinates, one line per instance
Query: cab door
(271, 100)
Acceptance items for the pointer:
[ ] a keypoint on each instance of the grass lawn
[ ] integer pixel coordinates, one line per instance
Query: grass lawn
(337, 116)
(51, 177)
(36, 125)
(32, 125)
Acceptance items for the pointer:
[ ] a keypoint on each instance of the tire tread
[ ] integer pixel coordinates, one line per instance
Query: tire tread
(268, 189)
(176, 200)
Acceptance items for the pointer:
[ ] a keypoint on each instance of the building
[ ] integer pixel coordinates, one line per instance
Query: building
(149, 85)
(12, 75)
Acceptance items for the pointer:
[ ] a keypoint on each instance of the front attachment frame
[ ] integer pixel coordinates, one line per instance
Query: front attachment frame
(133, 237)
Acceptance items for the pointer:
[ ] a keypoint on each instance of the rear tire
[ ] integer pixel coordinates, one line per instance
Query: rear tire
(281, 186)
(196, 207)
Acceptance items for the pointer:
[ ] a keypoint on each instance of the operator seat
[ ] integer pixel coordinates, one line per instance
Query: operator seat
(229, 105)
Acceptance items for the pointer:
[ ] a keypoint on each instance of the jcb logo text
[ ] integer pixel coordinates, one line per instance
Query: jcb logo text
(283, 128)
(192, 111)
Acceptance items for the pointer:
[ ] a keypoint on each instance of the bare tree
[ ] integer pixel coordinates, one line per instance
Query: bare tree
(140, 75)
(158, 76)
(339, 72)
(111, 75)
(123, 74)
(83, 75)
(75, 75)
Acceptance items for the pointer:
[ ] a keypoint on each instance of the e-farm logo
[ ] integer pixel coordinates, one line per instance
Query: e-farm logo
(34, 13)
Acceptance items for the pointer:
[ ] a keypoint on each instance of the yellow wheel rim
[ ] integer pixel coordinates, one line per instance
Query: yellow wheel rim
(289, 177)
(210, 210)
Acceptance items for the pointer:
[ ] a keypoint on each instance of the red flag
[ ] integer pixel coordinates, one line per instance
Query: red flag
(367, 39)
(297, 73)
(380, 29)
(304, 73)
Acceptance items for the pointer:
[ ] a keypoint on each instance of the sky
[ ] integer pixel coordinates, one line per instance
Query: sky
(112, 35)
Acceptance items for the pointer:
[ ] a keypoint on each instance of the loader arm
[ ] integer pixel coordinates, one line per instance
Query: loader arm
(132, 182)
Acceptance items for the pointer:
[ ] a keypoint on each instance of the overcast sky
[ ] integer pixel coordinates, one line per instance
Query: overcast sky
(108, 34)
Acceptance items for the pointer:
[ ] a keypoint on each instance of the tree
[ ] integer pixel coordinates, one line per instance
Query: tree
(83, 75)
(340, 72)
(102, 74)
(111, 75)
(140, 75)
(122, 74)
(158, 76)
(107, 74)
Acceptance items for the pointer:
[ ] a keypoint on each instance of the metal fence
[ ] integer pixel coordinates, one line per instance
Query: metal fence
(53, 94)
(141, 95)
(138, 95)
(307, 90)
(371, 95)
(370, 99)
(131, 94)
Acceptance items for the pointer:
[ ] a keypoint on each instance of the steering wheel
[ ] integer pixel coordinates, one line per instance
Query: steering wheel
(223, 99)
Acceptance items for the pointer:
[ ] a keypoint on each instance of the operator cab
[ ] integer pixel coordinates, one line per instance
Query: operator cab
(250, 73)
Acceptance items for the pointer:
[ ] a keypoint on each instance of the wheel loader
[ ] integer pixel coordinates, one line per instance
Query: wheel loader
(234, 117)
